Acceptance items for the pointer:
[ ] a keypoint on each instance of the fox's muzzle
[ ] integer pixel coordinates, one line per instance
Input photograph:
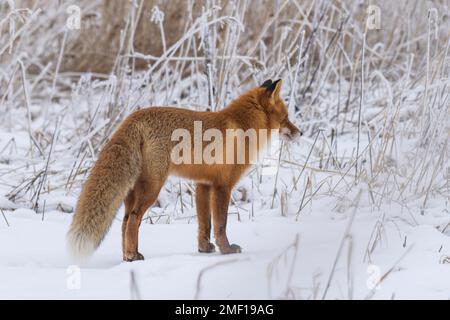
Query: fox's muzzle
(289, 132)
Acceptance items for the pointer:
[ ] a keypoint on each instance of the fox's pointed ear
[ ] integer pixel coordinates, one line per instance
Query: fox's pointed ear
(266, 84)
(275, 88)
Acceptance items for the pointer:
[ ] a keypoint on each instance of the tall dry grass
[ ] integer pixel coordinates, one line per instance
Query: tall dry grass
(385, 90)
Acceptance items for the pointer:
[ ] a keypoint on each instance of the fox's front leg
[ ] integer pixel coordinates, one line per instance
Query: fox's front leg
(220, 197)
(203, 204)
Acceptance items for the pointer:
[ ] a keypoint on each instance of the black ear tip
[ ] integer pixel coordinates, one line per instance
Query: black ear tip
(273, 85)
(267, 84)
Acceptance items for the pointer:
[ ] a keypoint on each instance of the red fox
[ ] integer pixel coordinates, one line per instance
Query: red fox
(134, 165)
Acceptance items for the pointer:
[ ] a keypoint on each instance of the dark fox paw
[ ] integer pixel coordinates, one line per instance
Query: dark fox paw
(207, 248)
(130, 257)
(234, 248)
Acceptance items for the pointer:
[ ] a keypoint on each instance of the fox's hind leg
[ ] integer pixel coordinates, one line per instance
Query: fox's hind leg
(129, 203)
(145, 193)
(203, 204)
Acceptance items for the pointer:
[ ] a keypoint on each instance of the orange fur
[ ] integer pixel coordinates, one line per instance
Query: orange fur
(136, 162)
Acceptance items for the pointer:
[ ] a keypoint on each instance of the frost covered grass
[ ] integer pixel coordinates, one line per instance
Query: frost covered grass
(367, 186)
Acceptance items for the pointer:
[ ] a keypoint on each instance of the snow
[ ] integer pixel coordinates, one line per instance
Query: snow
(34, 262)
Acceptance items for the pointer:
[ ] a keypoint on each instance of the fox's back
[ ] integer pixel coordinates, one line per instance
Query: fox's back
(164, 120)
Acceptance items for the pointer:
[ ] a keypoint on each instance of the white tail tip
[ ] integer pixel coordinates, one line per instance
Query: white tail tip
(80, 247)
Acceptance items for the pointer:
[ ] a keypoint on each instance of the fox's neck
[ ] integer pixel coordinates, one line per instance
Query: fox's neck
(247, 112)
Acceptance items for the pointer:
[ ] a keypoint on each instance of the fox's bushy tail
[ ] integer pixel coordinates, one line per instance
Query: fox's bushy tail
(111, 178)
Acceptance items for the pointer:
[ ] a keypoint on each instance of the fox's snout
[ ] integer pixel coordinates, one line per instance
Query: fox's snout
(290, 132)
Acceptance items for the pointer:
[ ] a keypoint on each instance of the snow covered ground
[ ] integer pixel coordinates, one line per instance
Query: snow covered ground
(34, 262)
